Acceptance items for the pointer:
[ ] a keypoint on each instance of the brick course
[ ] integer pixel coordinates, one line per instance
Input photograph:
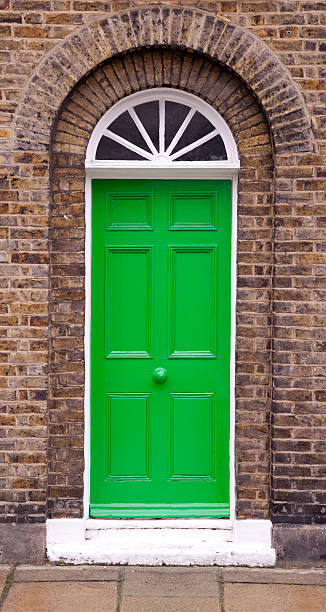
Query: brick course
(269, 57)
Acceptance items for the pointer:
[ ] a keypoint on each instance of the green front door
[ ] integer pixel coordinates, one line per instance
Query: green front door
(160, 348)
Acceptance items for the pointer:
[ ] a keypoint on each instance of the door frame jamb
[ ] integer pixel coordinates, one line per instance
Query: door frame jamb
(94, 170)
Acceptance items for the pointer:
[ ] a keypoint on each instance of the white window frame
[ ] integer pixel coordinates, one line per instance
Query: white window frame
(159, 168)
(161, 161)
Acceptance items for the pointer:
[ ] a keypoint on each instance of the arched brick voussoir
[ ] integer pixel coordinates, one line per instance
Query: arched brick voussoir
(184, 27)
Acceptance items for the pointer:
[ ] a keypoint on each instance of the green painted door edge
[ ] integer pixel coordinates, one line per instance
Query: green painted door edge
(161, 291)
(160, 510)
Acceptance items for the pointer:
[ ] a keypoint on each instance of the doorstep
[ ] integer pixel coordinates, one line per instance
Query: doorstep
(161, 542)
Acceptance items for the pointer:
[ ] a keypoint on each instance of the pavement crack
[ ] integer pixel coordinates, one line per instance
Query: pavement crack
(9, 581)
(119, 590)
(221, 593)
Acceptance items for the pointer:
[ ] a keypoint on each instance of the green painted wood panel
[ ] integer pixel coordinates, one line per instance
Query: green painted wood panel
(193, 212)
(193, 291)
(161, 255)
(128, 301)
(128, 454)
(192, 420)
(125, 211)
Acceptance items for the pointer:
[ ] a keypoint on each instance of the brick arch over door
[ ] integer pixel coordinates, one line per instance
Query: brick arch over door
(77, 118)
(196, 30)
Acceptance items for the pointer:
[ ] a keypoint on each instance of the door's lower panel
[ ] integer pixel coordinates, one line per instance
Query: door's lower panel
(159, 510)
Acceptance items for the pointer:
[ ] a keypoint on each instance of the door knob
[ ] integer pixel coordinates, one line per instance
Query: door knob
(159, 375)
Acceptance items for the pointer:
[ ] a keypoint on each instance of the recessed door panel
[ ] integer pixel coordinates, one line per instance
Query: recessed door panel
(192, 432)
(195, 211)
(126, 211)
(128, 305)
(128, 435)
(193, 302)
(160, 348)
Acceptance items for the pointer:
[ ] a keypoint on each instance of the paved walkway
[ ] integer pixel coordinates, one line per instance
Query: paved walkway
(169, 589)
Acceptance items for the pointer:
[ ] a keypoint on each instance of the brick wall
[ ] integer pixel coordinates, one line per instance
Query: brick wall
(285, 239)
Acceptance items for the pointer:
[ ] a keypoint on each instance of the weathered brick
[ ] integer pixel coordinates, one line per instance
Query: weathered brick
(284, 240)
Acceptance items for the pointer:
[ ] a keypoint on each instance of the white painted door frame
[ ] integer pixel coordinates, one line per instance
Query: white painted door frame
(157, 173)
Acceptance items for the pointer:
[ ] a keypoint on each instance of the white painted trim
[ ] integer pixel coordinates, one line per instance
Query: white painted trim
(190, 523)
(147, 170)
(162, 94)
(234, 234)
(194, 145)
(142, 129)
(127, 144)
(180, 131)
(87, 345)
(247, 543)
(161, 123)
(107, 173)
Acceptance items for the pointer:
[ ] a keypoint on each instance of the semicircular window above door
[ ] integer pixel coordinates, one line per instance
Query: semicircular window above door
(162, 126)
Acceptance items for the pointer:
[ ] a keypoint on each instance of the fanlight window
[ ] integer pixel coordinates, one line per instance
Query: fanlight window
(162, 126)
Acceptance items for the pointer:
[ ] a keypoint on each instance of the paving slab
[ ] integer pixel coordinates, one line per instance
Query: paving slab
(4, 571)
(180, 582)
(171, 569)
(274, 598)
(274, 576)
(170, 604)
(50, 573)
(63, 597)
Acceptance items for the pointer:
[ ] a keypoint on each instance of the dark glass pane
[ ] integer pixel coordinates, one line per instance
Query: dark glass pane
(125, 126)
(109, 149)
(213, 150)
(148, 113)
(198, 127)
(175, 115)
